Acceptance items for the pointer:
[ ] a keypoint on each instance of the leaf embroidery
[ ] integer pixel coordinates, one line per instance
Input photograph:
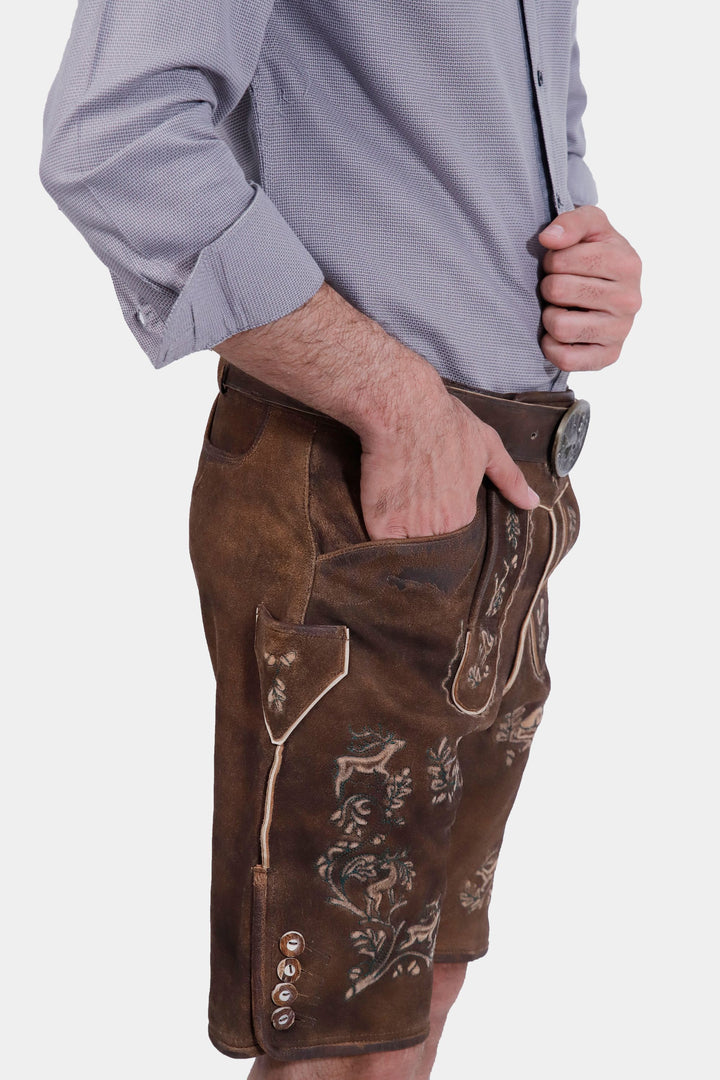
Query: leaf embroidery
(512, 529)
(366, 875)
(444, 772)
(477, 894)
(276, 694)
(500, 587)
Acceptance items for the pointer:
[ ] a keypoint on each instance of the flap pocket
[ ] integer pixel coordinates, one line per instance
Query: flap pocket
(298, 664)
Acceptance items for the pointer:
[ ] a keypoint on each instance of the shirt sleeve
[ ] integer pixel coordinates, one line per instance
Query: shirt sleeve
(581, 183)
(196, 251)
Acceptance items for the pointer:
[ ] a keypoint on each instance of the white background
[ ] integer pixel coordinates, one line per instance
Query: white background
(603, 958)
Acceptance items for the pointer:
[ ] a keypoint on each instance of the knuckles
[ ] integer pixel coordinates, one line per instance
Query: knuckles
(585, 358)
(553, 289)
(563, 326)
(630, 302)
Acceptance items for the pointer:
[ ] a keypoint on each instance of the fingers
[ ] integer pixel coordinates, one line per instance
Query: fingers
(505, 474)
(582, 223)
(592, 290)
(574, 357)
(612, 259)
(593, 293)
(585, 327)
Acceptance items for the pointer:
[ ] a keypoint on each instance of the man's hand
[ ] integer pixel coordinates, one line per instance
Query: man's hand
(592, 286)
(424, 453)
(422, 478)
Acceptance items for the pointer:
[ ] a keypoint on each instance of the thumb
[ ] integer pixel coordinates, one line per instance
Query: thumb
(582, 223)
(508, 478)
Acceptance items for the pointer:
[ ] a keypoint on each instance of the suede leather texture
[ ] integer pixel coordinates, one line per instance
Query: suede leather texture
(376, 702)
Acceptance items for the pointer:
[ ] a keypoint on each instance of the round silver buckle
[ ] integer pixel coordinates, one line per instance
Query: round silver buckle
(569, 437)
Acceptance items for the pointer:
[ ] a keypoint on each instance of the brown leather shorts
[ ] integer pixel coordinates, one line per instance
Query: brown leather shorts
(376, 701)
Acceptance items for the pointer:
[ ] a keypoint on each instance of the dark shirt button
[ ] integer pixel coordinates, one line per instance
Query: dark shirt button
(539, 77)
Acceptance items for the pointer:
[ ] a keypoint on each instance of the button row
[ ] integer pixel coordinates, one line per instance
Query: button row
(289, 969)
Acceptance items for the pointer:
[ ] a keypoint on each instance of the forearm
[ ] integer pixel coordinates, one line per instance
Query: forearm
(133, 154)
(423, 452)
(331, 356)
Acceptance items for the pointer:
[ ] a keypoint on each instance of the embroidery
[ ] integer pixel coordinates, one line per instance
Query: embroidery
(500, 587)
(276, 693)
(477, 894)
(370, 753)
(444, 772)
(541, 623)
(481, 669)
(368, 875)
(512, 529)
(517, 729)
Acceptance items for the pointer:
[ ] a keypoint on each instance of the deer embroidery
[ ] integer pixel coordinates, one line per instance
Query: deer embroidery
(398, 872)
(371, 876)
(375, 750)
(424, 932)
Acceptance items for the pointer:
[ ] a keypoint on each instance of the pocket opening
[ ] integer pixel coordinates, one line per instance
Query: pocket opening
(235, 426)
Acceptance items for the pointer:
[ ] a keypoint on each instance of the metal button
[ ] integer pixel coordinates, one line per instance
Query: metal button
(282, 1019)
(284, 994)
(289, 969)
(569, 437)
(292, 943)
(540, 78)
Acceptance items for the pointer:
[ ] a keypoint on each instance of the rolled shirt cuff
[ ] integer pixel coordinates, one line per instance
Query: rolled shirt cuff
(255, 272)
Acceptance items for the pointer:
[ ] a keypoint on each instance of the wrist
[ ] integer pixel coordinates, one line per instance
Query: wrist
(402, 389)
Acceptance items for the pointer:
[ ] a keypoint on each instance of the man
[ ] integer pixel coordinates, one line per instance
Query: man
(353, 204)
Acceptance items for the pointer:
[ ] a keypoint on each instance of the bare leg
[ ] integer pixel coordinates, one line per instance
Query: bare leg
(389, 1065)
(447, 981)
(413, 1063)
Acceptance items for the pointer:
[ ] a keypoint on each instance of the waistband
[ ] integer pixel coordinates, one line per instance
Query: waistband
(540, 425)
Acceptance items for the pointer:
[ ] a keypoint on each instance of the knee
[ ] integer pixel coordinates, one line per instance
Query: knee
(447, 983)
(385, 1065)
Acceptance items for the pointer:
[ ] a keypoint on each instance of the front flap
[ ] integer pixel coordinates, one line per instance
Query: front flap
(475, 686)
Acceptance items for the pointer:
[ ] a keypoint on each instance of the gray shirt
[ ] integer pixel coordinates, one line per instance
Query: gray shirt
(223, 157)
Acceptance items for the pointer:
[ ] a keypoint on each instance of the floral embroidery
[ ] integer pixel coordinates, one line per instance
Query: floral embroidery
(276, 693)
(512, 529)
(476, 894)
(517, 728)
(481, 669)
(369, 876)
(397, 790)
(444, 772)
(500, 587)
